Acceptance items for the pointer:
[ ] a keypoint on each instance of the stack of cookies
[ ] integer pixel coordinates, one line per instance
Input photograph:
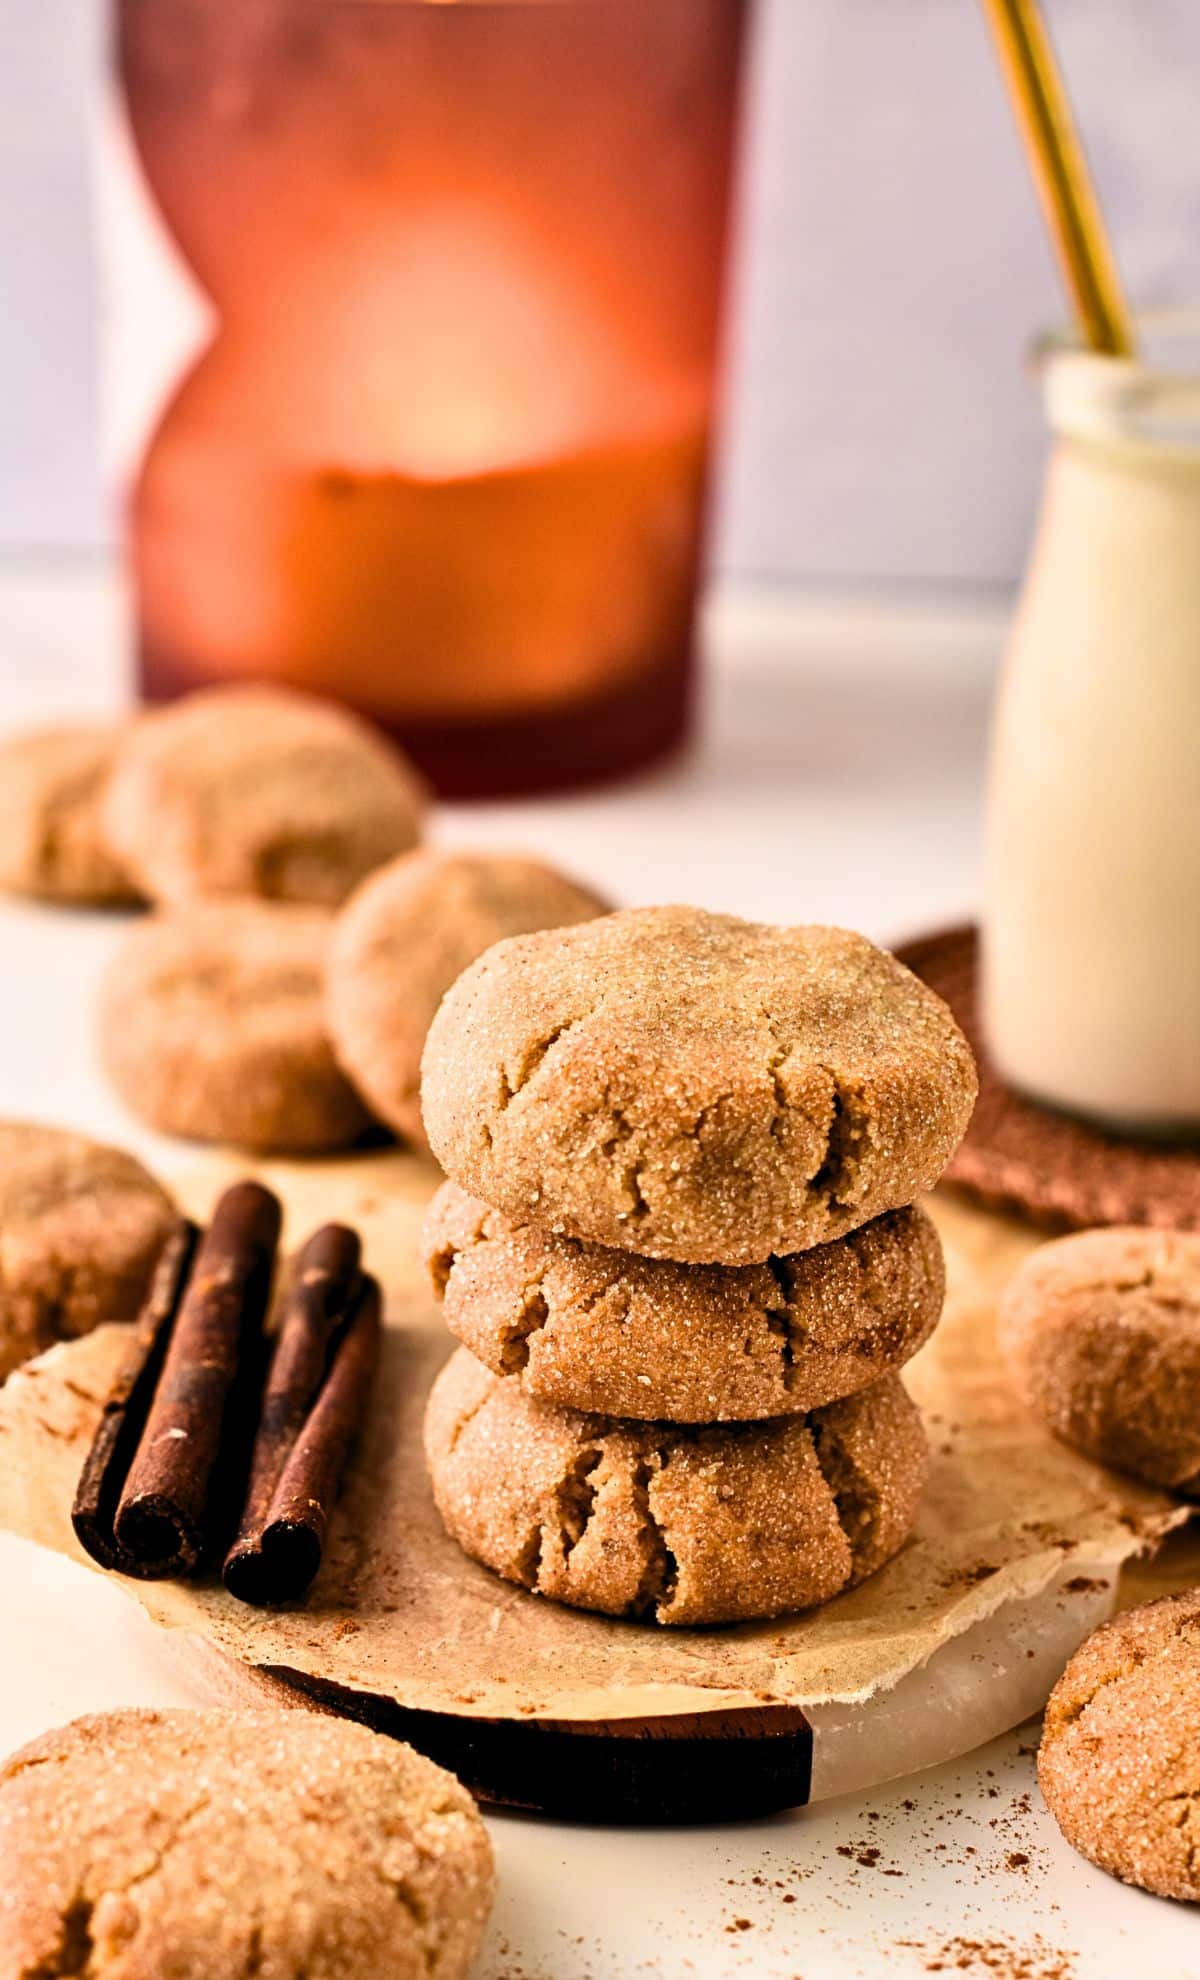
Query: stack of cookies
(679, 1245)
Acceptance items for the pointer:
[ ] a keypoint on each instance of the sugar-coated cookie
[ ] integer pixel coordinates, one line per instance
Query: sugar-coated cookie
(52, 845)
(1119, 1762)
(592, 1328)
(212, 1026)
(260, 791)
(667, 1523)
(405, 936)
(686, 1085)
(218, 1845)
(1102, 1334)
(81, 1225)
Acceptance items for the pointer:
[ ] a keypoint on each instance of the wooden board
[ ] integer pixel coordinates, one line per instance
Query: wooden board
(1016, 1557)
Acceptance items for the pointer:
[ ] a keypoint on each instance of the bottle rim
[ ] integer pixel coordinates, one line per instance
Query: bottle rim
(1151, 400)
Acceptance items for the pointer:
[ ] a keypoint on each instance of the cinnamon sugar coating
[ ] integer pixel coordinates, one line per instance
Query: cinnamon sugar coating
(81, 1225)
(221, 1845)
(401, 941)
(673, 1524)
(52, 788)
(690, 1086)
(258, 790)
(1119, 1763)
(212, 1026)
(593, 1328)
(1102, 1335)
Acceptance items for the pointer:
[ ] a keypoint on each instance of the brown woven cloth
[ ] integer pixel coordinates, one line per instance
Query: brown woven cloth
(1046, 1165)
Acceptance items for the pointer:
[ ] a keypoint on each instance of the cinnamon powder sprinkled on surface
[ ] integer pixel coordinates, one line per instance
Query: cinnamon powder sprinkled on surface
(999, 1957)
(786, 1902)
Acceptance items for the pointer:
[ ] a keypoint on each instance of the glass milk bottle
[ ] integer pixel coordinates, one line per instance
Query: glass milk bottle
(1091, 957)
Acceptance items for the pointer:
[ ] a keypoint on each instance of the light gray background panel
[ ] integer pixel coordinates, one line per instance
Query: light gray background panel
(893, 270)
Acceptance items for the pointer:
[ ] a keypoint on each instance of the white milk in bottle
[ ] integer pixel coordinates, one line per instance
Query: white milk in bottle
(1091, 956)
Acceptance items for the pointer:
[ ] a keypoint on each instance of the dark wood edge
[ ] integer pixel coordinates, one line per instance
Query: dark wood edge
(916, 949)
(726, 1765)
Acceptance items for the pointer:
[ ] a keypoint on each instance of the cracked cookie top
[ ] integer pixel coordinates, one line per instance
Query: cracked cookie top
(1102, 1335)
(594, 1328)
(669, 1523)
(1119, 1762)
(223, 1845)
(690, 1086)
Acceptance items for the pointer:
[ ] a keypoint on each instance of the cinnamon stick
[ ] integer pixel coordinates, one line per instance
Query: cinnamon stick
(185, 1474)
(325, 1282)
(106, 1466)
(278, 1551)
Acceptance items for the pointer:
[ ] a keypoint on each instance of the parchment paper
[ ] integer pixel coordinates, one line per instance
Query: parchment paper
(399, 1612)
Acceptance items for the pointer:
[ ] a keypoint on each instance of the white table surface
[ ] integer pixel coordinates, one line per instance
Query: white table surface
(837, 779)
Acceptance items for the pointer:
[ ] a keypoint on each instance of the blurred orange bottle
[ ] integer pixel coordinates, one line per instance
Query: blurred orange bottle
(445, 451)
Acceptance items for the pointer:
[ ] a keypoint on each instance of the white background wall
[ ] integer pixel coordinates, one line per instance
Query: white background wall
(894, 270)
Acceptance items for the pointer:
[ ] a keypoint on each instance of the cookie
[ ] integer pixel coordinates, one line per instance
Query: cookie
(81, 1225)
(690, 1086)
(409, 931)
(220, 1844)
(52, 846)
(212, 1027)
(714, 1525)
(593, 1328)
(1119, 1763)
(1101, 1331)
(262, 791)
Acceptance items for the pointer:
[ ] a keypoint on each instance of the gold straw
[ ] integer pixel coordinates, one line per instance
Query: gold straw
(1061, 174)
